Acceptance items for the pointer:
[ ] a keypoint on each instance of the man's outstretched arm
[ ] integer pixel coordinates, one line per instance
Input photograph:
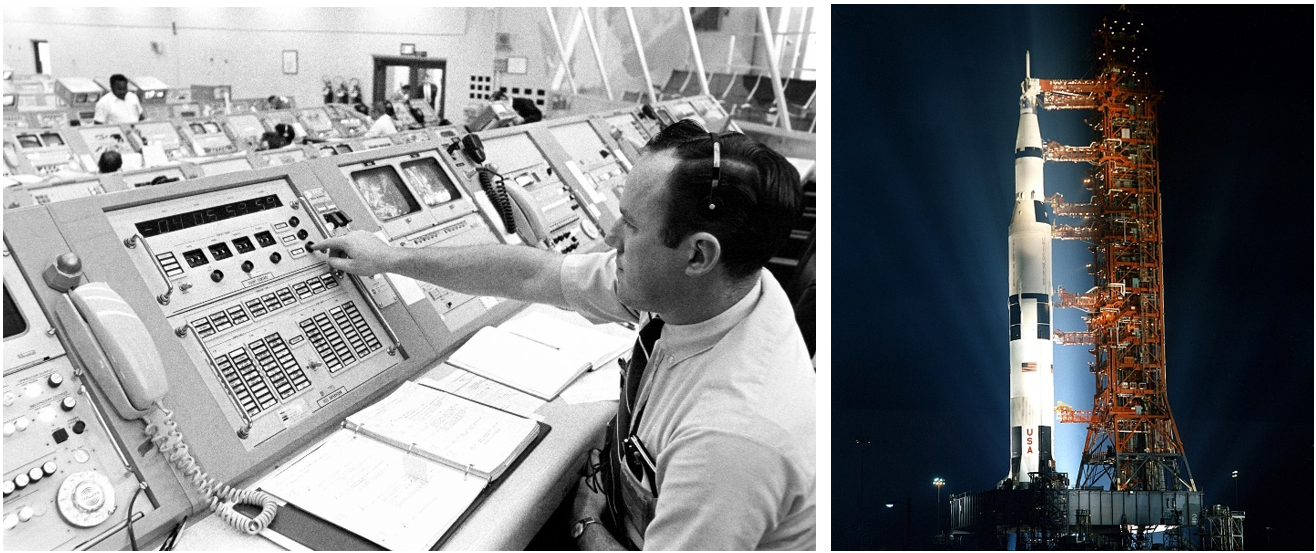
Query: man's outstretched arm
(516, 272)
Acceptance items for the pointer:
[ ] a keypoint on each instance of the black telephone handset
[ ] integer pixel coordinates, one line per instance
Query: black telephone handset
(518, 211)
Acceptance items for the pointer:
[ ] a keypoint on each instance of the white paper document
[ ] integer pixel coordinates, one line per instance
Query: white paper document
(478, 388)
(373, 495)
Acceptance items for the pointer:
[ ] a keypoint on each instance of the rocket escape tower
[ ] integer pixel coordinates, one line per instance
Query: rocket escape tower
(1132, 441)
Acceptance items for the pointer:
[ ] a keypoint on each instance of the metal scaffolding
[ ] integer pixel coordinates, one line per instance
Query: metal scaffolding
(1132, 441)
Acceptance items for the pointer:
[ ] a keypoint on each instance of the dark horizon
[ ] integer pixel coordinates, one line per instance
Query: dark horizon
(926, 114)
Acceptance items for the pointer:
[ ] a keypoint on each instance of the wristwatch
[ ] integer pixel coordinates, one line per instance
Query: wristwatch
(579, 528)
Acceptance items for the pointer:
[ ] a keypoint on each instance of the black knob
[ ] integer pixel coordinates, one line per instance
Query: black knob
(302, 234)
(55, 380)
(68, 404)
(247, 266)
(216, 275)
(276, 257)
(79, 427)
(294, 221)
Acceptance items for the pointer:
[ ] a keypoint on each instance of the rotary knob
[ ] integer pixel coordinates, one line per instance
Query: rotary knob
(22, 423)
(216, 275)
(9, 488)
(49, 468)
(55, 380)
(35, 475)
(276, 257)
(247, 266)
(68, 404)
(25, 514)
(85, 499)
(21, 481)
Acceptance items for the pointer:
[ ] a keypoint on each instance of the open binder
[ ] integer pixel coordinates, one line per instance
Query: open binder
(403, 472)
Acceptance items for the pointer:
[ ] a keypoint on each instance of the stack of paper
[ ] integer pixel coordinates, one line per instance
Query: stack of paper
(537, 354)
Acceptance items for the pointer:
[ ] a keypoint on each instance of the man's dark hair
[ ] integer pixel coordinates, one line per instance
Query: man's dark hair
(118, 78)
(757, 197)
(110, 161)
(286, 132)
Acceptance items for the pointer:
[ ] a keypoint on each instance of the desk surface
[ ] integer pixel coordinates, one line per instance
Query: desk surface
(513, 513)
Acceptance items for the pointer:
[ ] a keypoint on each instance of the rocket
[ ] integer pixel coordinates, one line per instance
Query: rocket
(1032, 379)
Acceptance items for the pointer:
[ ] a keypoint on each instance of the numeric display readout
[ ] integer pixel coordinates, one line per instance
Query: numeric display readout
(206, 216)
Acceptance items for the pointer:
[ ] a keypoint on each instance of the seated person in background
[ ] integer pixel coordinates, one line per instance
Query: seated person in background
(110, 161)
(276, 102)
(270, 140)
(713, 444)
(119, 106)
(383, 125)
(286, 132)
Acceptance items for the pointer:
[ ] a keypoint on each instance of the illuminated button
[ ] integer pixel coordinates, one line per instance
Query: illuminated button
(81, 456)
(25, 514)
(10, 429)
(49, 468)
(22, 423)
(32, 390)
(21, 481)
(217, 275)
(9, 398)
(68, 404)
(9, 488)
(247, 266)
(55, 380)
(46, 414)
(296, 252)
(35, 475)
(11, 520)
(79, 427)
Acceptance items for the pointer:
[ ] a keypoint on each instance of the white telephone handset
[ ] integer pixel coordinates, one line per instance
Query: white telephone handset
(134, 376)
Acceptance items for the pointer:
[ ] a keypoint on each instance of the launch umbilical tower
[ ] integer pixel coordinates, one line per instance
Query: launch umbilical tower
(1132, 441)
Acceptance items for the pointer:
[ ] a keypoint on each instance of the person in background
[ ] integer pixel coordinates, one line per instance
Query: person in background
(429, 92)
(286, 132)
(383, 125)
(119, 106)
(270, 140)
(110, 161)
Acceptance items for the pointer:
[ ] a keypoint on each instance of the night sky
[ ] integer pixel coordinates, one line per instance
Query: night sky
(926, 110)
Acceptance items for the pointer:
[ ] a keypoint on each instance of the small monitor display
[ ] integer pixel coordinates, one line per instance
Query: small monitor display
(52, 139)
(383, 191)
(428, 178)
(29, 141)
(14, 323)
(212, 127)
(198, 128)
(328, 151)
(343, 149)
(245, 126)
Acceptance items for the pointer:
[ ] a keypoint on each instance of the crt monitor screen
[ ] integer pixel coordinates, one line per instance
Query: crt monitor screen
(427, 177)
(52, 139)
(29, 141)
(383, 191)
(15, 324)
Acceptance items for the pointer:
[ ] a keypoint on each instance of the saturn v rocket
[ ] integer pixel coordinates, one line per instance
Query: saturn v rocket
(1032, 380)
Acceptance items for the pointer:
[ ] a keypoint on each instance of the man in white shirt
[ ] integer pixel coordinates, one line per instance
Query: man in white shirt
(713, 445)
(119, 106)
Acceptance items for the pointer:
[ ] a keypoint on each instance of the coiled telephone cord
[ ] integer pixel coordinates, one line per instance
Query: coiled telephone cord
(221, 497)
(497, 196)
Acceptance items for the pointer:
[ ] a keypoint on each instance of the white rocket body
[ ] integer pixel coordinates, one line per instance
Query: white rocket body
(1032, 379)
